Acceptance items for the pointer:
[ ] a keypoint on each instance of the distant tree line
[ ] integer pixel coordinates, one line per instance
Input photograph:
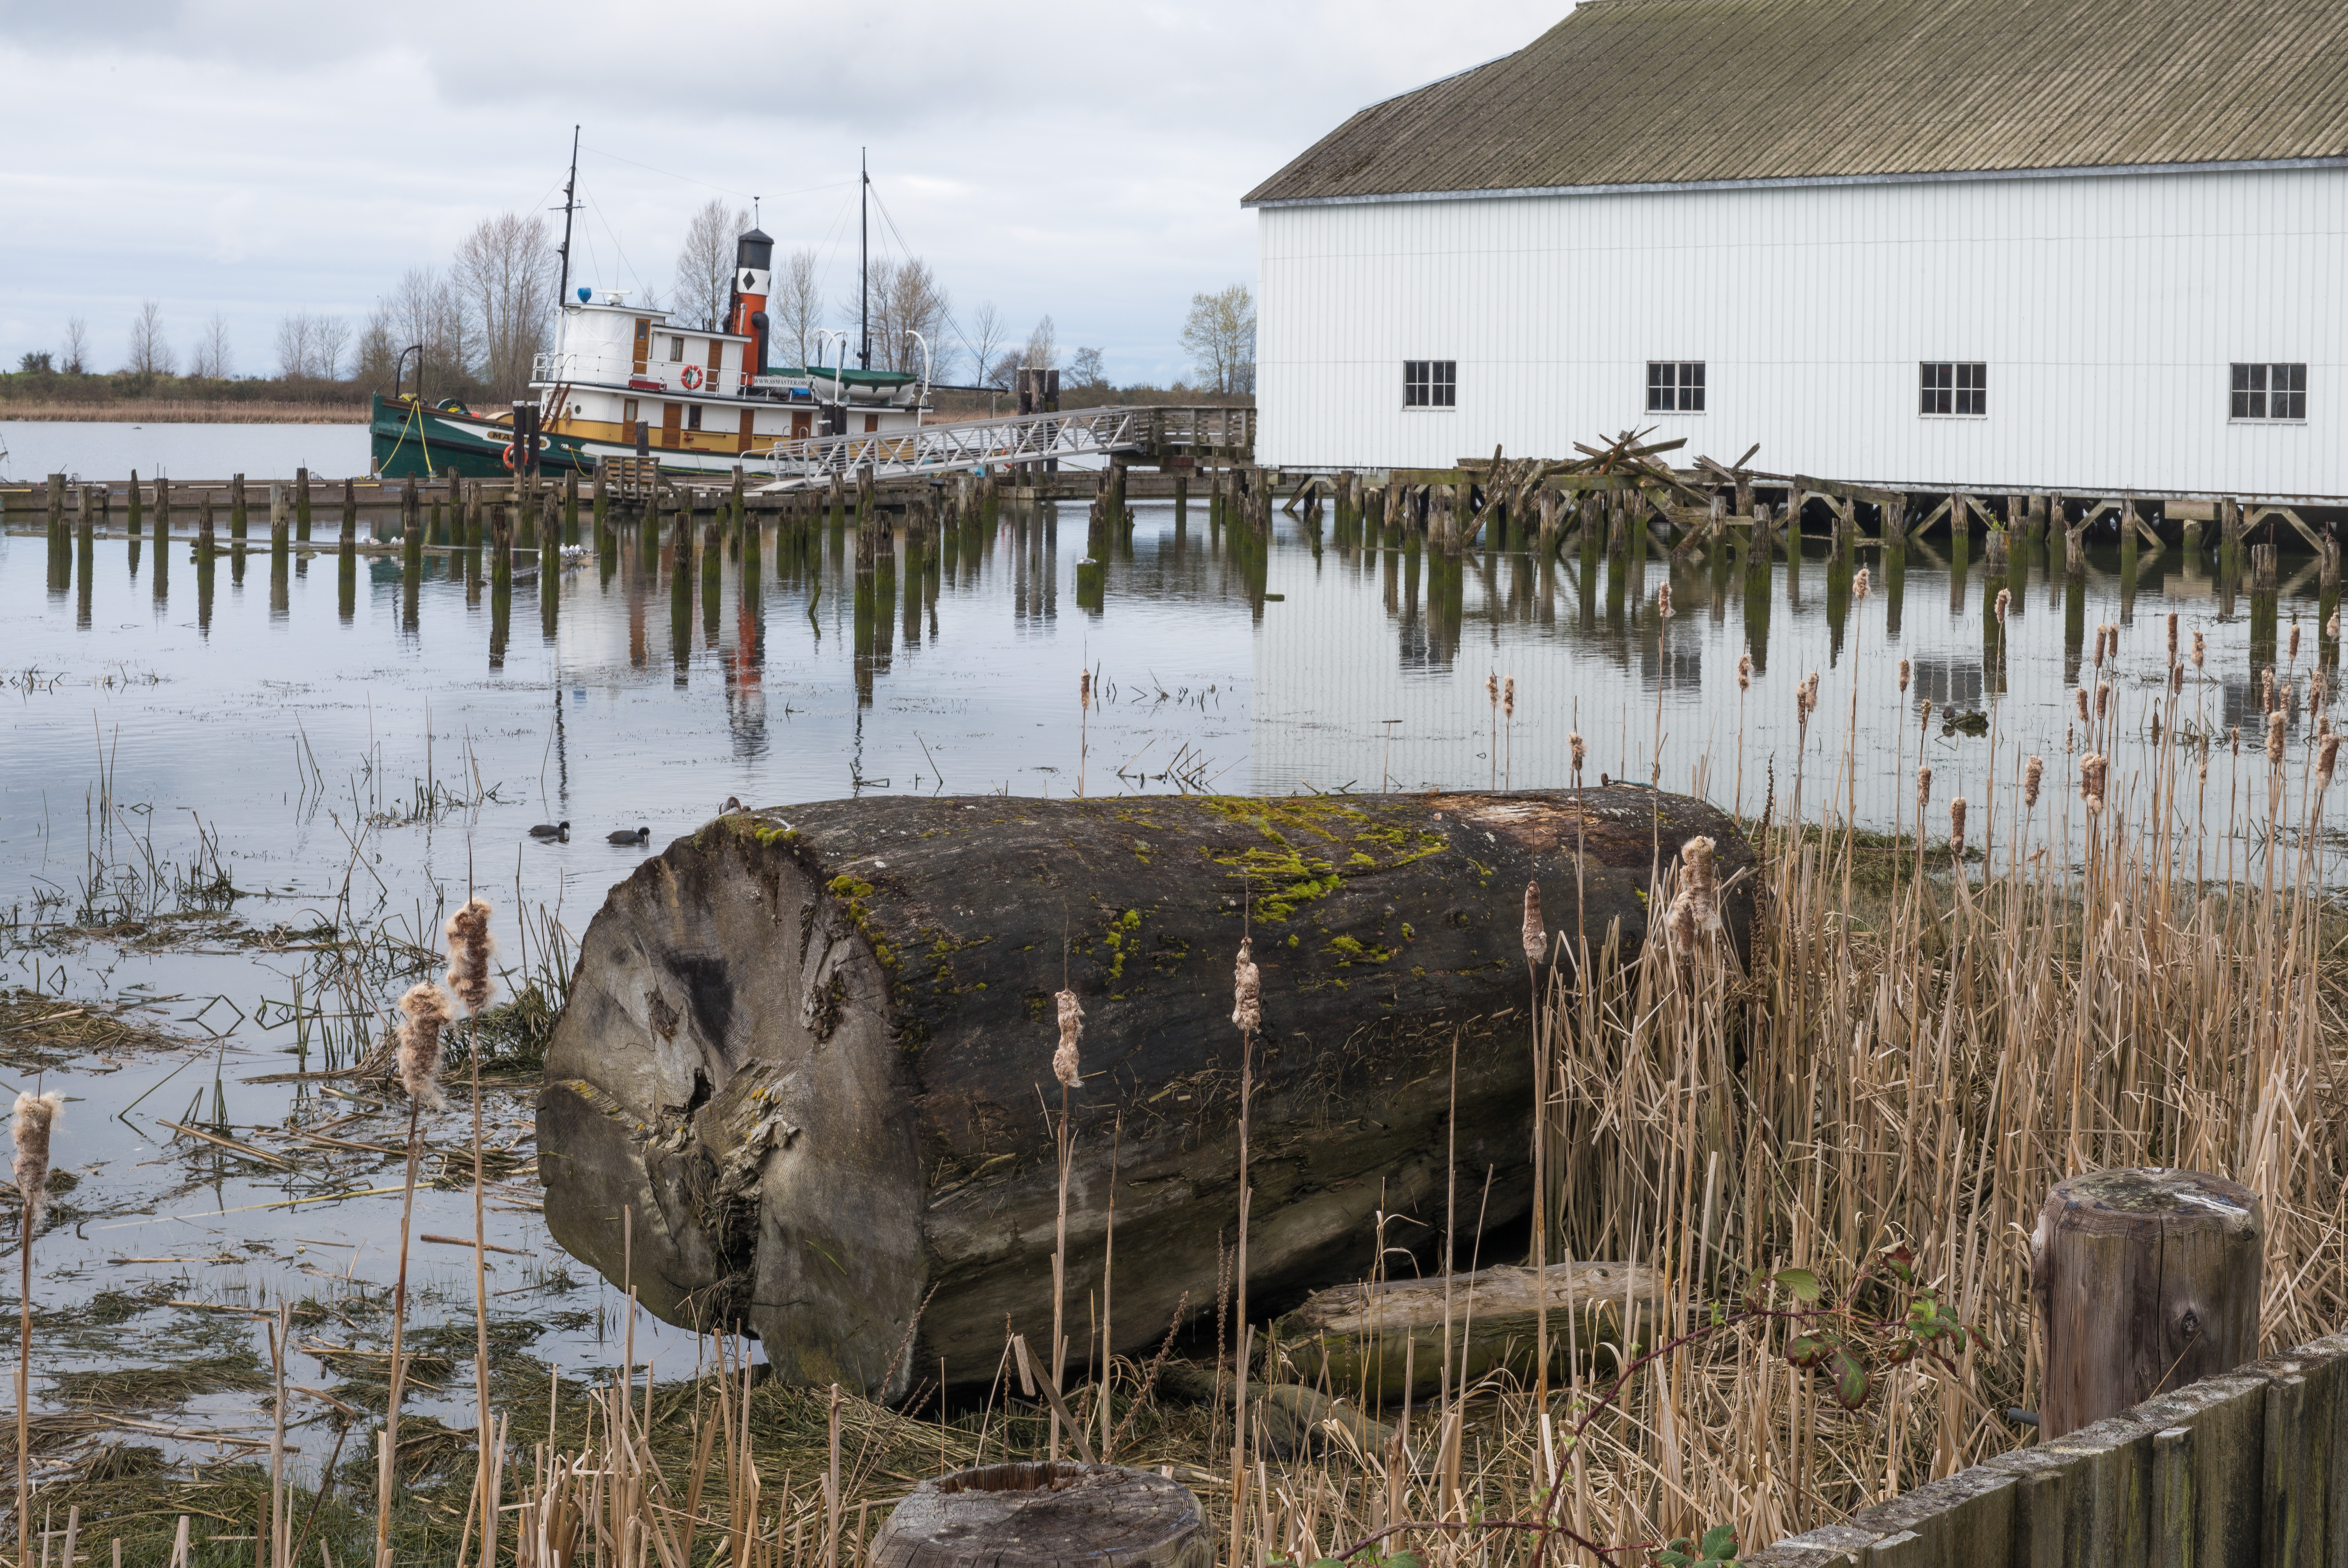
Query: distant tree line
(474, 328)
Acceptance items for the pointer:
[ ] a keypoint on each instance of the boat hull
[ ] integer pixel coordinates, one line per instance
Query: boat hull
(410, 440)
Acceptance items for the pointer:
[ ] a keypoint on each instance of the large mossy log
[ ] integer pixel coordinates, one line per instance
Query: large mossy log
(804, 1076)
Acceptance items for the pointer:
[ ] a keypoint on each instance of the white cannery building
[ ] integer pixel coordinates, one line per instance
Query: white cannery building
(2003, 244)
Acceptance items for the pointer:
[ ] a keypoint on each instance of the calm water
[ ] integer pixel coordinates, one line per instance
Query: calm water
(285, 729)
(92, 450)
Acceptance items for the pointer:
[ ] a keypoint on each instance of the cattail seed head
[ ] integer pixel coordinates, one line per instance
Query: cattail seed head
(1509, 698)
(427, 1009)
(1923, 788)
(1745, 673)
(1085, 690)
(2294, 640)
(2004, 604)
(1535, 934)
(1072, 1030)
(2200, 649)
(2033, 773)
(1904, 677)
(2172, 637)
(2275, 723)
(470, 950)
(2326, 754)
(2080, 696)
(1573, 743)
(1663, 602)
(2100, 631)
(1696, 908)
(1862, 584)
(2175, 679)
(35, 1118)
(2332, 627)
(1492, 687)
(1247, 990)
(2236, 735)
(2102, 699)
(1957, 829)
(2094, 770)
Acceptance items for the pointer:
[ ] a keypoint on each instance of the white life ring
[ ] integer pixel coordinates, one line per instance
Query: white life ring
(691, 377)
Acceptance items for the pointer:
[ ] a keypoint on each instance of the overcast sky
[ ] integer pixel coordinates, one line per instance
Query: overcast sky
(1084, 161)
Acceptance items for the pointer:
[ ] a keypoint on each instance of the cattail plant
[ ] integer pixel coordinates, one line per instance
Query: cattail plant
(1533, 936)
(2326, 754)
(2275, 723)
(2172, 637)
(1492, 691)
(1084, 724)
(2094, 772)
(427, 1014)
(34, 1121)
(1696, 908)
(2033, 773)
(1067, 1069)
(1247, 1016)
(2005, 605)
(470, 949)
(1862, 584)
(1508, 731)
(2293, 653)
(2201, 646)
(1957, 834)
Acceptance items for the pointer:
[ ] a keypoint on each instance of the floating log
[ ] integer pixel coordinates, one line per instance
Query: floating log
(804, 1076)
(1010, 1515)
(1373, 1340)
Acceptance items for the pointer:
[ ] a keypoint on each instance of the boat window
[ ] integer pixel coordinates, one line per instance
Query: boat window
(693, 417)
(677, 348)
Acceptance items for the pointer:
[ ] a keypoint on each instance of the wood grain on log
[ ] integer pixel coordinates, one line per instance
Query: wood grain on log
(1009, 1515)
(1372, 1339)
(2145, 1281)
(807, 1053)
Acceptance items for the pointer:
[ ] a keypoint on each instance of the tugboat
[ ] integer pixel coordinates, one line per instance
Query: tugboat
(624, 380)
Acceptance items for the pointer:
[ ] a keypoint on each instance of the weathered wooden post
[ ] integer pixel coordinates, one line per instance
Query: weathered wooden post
(1016, 1515)
(571, 508)
(162, 515)
(2145, 1281)
(301, 505)
(57, 507)
(134, 510)
(280, 519)
(2262, 568)
(236, 518)
(350, 513)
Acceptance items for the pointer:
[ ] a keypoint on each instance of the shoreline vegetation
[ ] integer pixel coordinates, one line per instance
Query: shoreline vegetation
(187, 411)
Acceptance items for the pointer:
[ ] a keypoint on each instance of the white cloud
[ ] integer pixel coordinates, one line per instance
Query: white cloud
(252, 158)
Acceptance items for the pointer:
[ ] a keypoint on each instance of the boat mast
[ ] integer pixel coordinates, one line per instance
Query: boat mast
(863, 260)
(569, 188)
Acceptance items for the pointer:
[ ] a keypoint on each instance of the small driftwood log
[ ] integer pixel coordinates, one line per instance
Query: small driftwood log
(1371, 1339)
(803, 1077)
(2145, 1281)
(1060, 1515)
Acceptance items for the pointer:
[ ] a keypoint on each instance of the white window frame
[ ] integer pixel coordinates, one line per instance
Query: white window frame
(1436, 376)
(2264, 371)
(1955, 392)
(1677, 386)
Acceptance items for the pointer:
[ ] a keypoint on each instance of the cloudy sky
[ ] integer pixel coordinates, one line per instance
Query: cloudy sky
(252, 158)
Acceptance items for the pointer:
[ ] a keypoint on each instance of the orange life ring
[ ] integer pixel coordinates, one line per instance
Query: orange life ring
(691, 377)
(508, 457)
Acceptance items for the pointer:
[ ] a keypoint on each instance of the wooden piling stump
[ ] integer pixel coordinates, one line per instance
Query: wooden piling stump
(2146, 1279)
(1007, 1515)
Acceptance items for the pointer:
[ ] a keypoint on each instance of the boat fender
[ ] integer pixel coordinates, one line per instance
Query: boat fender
(691, 378)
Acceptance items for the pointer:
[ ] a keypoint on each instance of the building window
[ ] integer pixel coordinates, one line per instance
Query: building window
(1430, 382)
(1676, 386)
(2270, 392)
(1953, 386)
(675, 348)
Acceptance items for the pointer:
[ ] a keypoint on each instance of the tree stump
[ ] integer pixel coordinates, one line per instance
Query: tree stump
(1004, 1515)
(2145, 1281)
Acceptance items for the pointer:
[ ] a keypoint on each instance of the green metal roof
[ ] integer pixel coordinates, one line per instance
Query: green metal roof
(1670, 92)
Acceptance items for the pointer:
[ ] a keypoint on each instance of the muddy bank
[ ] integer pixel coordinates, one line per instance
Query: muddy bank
(804, 1080)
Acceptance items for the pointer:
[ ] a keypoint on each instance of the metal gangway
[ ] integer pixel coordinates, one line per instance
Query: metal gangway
(1020, 439)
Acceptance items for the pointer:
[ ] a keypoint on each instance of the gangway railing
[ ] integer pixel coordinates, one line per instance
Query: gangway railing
(1021, 439)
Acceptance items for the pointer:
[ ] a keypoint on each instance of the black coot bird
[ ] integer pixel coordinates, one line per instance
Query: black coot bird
(641, 835)
(555, 830)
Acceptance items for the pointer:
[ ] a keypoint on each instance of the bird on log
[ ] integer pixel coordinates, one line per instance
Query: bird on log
(804, 1082)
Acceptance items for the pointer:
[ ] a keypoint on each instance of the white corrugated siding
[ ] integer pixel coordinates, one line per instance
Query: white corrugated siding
(2107, 309)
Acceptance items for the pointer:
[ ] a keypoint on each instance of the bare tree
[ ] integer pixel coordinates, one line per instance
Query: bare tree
(151, 350)
(1005, 372)
(705, 268)
(984, 341)
(214, 359)
(1084, 369)
(297, 350)
(427, 311)
(75, 360)
(906, 298)
(378, 351)
(1043, 351)
(505, 272)
(795, 312)
(329, 337)
(1221, 337)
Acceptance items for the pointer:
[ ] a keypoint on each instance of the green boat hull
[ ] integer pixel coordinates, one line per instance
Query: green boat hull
(413, 441)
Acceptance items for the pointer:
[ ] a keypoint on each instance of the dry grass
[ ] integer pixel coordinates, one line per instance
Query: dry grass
(189, 411)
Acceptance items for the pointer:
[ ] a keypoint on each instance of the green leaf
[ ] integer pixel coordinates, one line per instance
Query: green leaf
(1673, 1557)
(1851, 1381)
(1720, 1543)
(1902, 1262)
(1800, 1281)
(1401, 1559)
(1807, 1350)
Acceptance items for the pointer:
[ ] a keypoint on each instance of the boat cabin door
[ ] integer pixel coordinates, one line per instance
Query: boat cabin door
(644, 348)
